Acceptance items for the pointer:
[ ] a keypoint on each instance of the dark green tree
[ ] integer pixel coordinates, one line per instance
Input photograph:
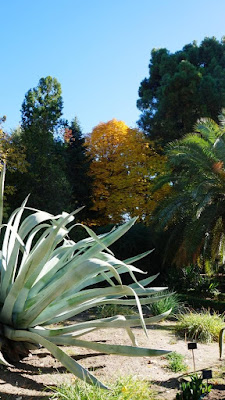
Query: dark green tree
(41, 123)
(194, 211)
(78, 163)
(181, 88)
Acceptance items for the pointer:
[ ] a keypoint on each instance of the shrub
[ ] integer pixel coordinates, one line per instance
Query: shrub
(110, 310)
(203, 326)
(176, 362)
(166, 303)
(46, 278)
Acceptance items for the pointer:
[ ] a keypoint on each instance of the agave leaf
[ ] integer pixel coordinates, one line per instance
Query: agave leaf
(115, 262)
(131, 260)
(76, 288)
(68, 303)
(95, 249)
(67, 361)
(11, 246)
(69, 277)
(97, 279)
(132, 337)
(46, 277)
(144, 282)
(95, 237)
(45, 293)
(118, 321)
(120, 350)
(94, 303)
(35, 262)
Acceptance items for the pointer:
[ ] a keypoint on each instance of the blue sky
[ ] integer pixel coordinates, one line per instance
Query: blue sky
(99, 50)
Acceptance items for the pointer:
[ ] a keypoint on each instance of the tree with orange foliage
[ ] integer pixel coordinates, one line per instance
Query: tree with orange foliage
(123, 167)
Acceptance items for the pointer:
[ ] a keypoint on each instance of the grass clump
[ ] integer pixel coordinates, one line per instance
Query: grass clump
(204, 326)
(171, 302)
(176, 362)
(128, 388)
(110, 310)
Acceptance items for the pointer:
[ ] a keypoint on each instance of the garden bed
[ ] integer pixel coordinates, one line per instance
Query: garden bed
(31, 378)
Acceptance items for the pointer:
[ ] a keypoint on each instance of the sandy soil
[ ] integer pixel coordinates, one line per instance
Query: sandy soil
(31, 378)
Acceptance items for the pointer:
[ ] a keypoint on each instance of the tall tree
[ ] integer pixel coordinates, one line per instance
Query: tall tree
(195, 209)
(123, 166)
(182, 87)
(13, 155)
(78, 165)
(41, 121)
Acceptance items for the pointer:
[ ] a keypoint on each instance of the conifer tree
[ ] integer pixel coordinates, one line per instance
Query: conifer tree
(78, 164)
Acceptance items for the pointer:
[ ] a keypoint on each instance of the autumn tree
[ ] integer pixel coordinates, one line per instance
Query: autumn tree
(124, 164)
(181, 88)
(41, 124)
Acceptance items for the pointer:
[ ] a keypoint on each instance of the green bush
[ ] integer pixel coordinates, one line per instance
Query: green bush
(176, 362)
(124, 389)
(110, 310)
(171, 302)
(204, 326)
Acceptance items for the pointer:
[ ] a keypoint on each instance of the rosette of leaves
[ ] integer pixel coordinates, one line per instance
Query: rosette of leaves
(46, 278)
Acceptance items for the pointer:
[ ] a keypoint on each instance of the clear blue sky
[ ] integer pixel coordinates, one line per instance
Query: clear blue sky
(99, 50)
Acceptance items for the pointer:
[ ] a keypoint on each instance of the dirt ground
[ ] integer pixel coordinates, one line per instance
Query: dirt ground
(31, 378)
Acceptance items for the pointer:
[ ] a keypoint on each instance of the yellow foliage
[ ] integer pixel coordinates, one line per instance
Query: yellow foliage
(124, 166)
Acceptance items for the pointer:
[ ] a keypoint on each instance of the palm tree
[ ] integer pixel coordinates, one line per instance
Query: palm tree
(194, 211)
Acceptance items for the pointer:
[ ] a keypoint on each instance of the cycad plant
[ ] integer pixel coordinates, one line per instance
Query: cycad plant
(195, 208)
(47, 278)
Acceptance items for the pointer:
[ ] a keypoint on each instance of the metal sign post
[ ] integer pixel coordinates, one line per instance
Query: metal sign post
(192, 346)
(207, 374)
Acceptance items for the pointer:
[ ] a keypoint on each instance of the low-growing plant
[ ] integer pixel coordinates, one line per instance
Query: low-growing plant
(171, 302)
(176, 362)
(196, 389)
(203, 326)
(110, 310)
(46, 278)
(124, 389)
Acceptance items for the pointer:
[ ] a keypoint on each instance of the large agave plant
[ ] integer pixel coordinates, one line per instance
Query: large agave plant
(46, 279)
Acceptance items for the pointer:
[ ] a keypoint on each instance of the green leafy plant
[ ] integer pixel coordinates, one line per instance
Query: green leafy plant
(176, 362)
(124, 389)
(109, 310)
(47, 278)
(203, 326)
(171, 301)
(193, 390)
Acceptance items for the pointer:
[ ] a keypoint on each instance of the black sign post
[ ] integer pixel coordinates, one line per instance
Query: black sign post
(207, 374)
(192, 346)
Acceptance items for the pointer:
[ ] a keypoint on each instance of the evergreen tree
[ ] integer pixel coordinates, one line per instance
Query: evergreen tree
(181, 88)
(46, 176)
(78, 164)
